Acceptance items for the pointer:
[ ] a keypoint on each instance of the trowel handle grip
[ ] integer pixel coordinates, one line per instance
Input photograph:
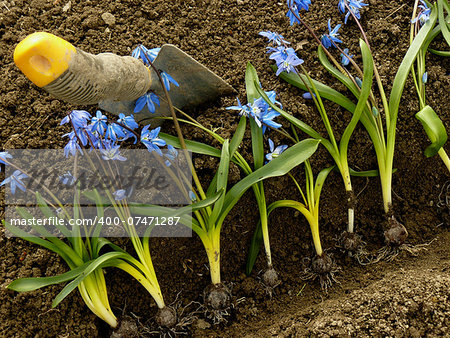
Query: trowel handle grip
(78, 77)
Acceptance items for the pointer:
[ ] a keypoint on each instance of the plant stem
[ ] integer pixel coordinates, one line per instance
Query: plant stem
(444, 158)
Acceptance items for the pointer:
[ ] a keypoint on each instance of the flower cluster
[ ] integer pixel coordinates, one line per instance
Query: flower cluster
(424, 13)
(351, 7)
(97, 133)
(150, 99)
(260, 111)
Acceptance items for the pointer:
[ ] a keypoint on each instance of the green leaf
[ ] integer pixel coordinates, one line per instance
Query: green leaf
(434, 128)
(279, 166)
(403, 72)
(367, 173)
(48, 213)
(30, 284)
(156, 210)
(238, 136)
(362, 100)
(251, 83)
(442, 22)
(103, 261)
(255, 246)
(251, 87)
(194, 146)
(222, 181)
(443, 53)
(324, 90)
(320, 180)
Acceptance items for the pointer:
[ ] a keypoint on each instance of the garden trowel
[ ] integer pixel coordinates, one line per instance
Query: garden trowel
(114, 82)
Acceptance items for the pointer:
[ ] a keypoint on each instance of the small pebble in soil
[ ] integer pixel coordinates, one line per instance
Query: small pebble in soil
(109, 19)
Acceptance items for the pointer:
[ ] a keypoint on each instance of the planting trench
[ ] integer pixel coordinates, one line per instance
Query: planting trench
(408, 296)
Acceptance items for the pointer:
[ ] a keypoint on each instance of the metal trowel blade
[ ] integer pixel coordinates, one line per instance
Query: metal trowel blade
(197, 85)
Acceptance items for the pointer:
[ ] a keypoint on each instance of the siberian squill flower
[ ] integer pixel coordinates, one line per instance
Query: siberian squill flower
(3, 156)
(72, 146)
(167, 79)
(328, 39)
(243, 110)
(285, 58)
(114, 132)
(149, 99)
(130, 122)
(145, 54)
(273, 37)
(424, 13)
(354, 5)
(15, 181)
(67, 179)
(274, 152)
(112, 152)
(294, 8)
(344, 59)
(171, 155)
(99, 122)
(78, 118)
(151, 140)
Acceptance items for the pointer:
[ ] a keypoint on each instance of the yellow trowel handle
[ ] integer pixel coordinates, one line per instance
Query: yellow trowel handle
(78, 77)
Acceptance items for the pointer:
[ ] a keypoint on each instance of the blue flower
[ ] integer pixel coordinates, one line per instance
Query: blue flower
(77, 117)
(167, 79)
(294, 7)
(263, 114)
(128, 121)
(280, 53)
(274, 152)
(424, 13)
(243, 110)
(171, 155)
(141, 52)
(98, 123)
(15, 181)
(308, 96)
(288, 65)
(354, 5)
(114, 132)
(285, 58)
(328, 39)
(112, 152)
(67, 179)
(358, 81)
(274, 37)
(3, 156)
(148, 99)
(72, 146)
(119, 194)
(425, 77)
(344, 59)
(260, 111)
(192, 196)
(151, 141)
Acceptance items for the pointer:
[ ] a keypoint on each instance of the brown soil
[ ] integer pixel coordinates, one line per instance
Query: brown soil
(405, 297)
